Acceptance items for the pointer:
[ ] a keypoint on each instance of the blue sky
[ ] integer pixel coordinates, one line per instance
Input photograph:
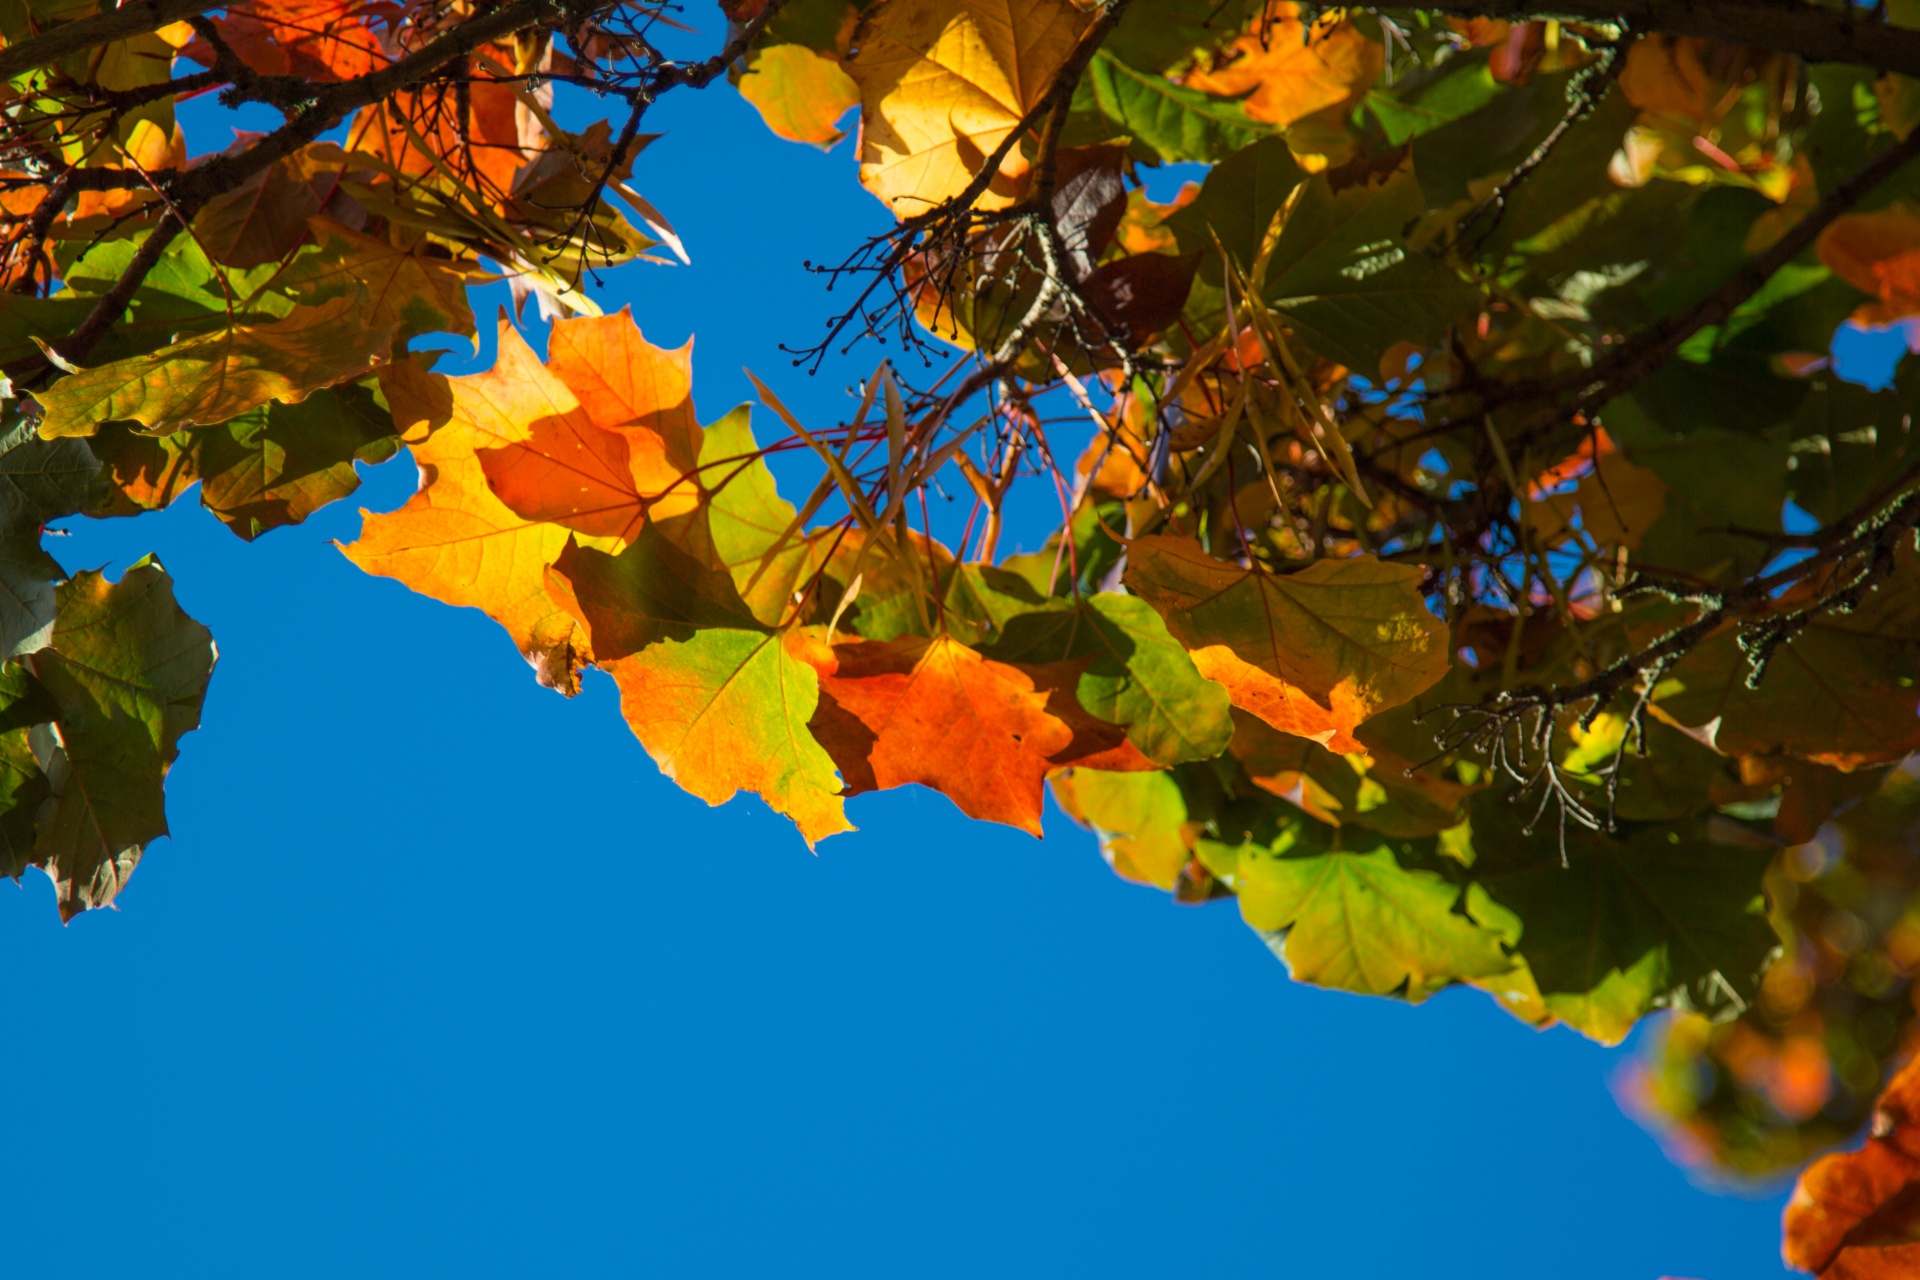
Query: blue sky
(439, 976)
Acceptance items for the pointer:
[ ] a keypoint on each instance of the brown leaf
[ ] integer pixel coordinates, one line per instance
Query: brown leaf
(1863, 1206)
(1140, 295)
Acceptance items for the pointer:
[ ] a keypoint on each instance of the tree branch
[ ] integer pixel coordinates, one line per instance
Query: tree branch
(1634, 362)
(1814, 32)
(135, 18)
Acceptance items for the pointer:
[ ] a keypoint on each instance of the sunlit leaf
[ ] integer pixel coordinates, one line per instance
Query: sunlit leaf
(1313, 653)
(209, 379)
(1284, 71)
(938, 713)
(456, 541)
(800, 94)
(942, 84)
(1356, 919)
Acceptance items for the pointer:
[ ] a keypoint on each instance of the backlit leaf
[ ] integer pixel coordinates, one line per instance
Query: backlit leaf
(722, 705)
(456, 541)
(1356, 920)
(407, 287)
(209, 379)
(1283, 72)
(270, 467)
(1853, 1214)
(1313, 653)
(942, 83)
(1179, 123)
(938, 713)
(800, 94)
(1136, 675)
(1141, 819)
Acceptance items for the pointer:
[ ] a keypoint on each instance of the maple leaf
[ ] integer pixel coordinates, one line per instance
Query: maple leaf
(408, 288)
(622, 380)
(210, 379)
(1659, 914)
(1141, 819)
(800, 94)
(472, 134)
(599, 464)
(651, 591)
(270, 467)
(1313, 653)
(23, 787)
(726, 711)
(1380, 790)
(1134, 674)
(1356, 920)
(264, 219)
(456, 541)
(1286, 72)
(149, 147)
(938, 713)
(318, 40)
(721, 703)
(40, 481)
(123, 677)
(1879, 254)
(942, 84)
(747, 519)
(1341, 273)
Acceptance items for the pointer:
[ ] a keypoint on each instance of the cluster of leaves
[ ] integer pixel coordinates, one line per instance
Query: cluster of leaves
(1448, 426)
(1422, 580)
(230, 321)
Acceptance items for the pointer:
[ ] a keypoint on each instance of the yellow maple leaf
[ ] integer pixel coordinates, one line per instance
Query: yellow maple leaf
(943, 82)
(455, 540)
(799, 93)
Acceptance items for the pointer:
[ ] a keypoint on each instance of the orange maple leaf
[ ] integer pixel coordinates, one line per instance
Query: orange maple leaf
(1879, 254)
(940, 714)
(486, 144)
(1287, 71)
(1854, 1216)
(324, 40)
(622, 380)
(597, 464)
(457, 541)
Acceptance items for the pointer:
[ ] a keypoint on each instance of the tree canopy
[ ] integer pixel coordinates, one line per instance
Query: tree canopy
(1469, 559)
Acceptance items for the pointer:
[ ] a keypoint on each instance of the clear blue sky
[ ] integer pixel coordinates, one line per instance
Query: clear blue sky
(438, 976)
